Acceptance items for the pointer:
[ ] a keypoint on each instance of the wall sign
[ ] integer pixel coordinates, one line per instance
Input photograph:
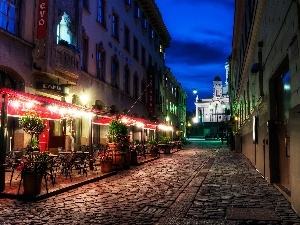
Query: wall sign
(51, 87)
(151, 104)
(42, 19)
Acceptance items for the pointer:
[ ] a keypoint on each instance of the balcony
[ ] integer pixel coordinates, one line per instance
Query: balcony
(67, 59)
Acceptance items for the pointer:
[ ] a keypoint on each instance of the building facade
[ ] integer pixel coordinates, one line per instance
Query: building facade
(173, 103)
(213, 112)
(263, 86)
(79, 61)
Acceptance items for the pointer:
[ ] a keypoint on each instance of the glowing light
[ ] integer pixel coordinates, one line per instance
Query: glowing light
(125, 120)
(15, 104)
(84, 98)
(29, 105)
(195, 120)
(139, 124)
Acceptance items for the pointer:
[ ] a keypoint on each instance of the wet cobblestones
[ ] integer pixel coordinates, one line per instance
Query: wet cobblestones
(192, 186)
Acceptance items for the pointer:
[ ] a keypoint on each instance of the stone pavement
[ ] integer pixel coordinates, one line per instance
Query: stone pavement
(201, 184)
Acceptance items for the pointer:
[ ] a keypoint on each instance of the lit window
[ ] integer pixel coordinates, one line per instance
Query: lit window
(161, 49)
(63, 32)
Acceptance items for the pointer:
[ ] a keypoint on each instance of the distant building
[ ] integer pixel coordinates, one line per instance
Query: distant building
(173, 103)
(215, 110)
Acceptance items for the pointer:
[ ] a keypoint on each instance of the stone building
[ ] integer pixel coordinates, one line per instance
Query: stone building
(78, 61)
(263, 86)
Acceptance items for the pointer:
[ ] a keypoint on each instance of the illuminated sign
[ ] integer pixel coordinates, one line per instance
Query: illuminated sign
(51, 87)
(42, 19)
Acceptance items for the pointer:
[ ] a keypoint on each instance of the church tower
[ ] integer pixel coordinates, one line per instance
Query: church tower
(217, 88)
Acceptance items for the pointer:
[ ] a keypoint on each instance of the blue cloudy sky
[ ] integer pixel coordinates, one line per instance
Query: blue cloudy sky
(201, 32)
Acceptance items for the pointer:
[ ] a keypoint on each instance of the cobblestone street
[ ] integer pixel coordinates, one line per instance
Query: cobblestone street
(197, 185)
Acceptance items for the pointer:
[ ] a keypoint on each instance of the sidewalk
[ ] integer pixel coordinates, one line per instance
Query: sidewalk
(63, 184)
(229, 190)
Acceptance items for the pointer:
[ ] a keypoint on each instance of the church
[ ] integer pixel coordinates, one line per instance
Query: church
(212, 112)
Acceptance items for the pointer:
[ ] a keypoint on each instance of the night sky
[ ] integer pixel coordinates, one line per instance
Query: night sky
(201, 32)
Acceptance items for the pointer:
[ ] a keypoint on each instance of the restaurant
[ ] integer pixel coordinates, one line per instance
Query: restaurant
(68, 126)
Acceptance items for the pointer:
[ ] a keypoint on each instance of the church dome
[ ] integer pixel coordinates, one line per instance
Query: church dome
(217, 78)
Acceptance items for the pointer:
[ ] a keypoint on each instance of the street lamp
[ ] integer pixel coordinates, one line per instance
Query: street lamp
(194, 91)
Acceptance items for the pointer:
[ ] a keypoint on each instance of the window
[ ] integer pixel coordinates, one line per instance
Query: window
(136, 86)
(144, 23)
(63, 30)
(127, 5)
(100, 58)
(137, 12)
(135, 48)
(127, 38)
(151, 33)
(128, 2)
(85, 48)
(114, 71)
(126, 79)
(86, 5)
(115, 26)
(143, 56)
(101, 12)
(9, 10)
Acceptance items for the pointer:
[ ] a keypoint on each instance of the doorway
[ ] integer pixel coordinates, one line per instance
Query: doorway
(279, 112)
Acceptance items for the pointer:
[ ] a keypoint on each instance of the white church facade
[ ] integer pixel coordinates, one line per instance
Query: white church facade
(215, 109)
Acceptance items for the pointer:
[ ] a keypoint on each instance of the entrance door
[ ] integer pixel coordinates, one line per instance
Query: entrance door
(282, 107)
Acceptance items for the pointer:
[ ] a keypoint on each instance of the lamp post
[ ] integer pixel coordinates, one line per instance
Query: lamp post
(189, 129)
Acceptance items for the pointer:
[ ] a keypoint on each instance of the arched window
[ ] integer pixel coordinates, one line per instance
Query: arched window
(63, 30)
(6, 80)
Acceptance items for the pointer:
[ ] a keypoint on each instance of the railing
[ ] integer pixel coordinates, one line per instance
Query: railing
(66, 58)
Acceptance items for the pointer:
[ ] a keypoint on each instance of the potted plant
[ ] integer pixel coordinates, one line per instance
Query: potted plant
(118, 142)
(154, 151)
(33, 168)
(116, 131)
(33, 125)
(106, 161)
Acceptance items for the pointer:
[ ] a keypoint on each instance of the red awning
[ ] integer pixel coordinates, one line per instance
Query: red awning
(18, 103)
(129, 120)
